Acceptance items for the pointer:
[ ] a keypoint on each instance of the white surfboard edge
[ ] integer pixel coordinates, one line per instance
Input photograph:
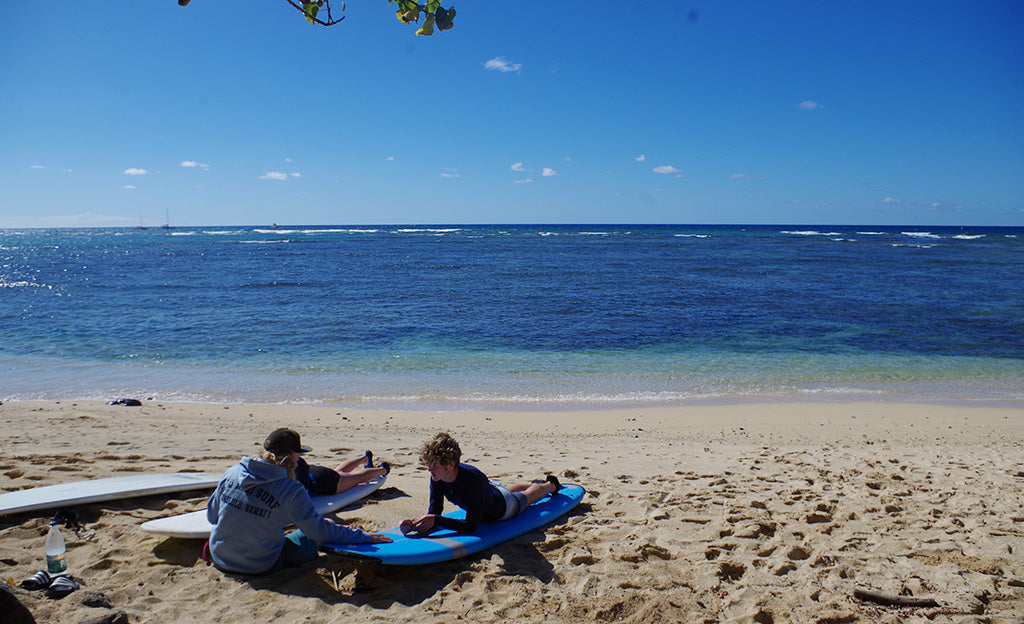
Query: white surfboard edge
(194, 525)
(105, 489)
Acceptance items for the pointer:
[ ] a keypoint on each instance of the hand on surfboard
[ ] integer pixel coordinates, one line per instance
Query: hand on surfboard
(420, 525)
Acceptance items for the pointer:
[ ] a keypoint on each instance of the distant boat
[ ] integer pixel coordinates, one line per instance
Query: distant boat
(167, 220)
(140, 226)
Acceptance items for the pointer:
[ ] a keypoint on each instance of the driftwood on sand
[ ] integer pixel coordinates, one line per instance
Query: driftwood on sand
(893, 599)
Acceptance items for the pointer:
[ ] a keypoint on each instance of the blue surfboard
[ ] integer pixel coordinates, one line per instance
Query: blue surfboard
(445, 544)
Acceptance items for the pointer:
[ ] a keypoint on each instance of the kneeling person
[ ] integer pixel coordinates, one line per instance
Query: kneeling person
(256, 499)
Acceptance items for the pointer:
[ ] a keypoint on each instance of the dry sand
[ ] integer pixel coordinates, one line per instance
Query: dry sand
(760, 513)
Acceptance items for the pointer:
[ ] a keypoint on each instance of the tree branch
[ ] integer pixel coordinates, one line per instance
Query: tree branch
(892, 599)
(330, 19)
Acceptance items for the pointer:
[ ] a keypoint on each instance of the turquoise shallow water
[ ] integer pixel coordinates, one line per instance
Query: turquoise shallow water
(513, 316)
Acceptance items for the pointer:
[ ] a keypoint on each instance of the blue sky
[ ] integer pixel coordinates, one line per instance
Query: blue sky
(233, 112)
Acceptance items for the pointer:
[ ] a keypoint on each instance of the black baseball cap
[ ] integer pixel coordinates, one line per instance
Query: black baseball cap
(284, 441)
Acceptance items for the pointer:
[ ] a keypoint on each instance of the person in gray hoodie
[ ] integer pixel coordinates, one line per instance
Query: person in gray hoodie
(256, 499)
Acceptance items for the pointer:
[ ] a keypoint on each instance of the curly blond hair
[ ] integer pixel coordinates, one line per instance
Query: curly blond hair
(442, 449)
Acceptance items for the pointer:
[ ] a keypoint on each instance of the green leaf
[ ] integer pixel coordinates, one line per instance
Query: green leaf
(311, 10)
(428, 26)
(433, 5)
(445, 18)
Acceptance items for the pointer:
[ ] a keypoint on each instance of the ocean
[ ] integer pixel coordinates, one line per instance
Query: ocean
(513, 316)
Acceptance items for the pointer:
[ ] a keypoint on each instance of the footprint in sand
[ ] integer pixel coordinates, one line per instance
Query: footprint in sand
(729, 571)
(784, 569)
(583, 559)
(798, 553)
(552, 544)
(63, 468)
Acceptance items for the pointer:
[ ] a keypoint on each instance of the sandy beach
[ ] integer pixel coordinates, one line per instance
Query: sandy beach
(765, 513)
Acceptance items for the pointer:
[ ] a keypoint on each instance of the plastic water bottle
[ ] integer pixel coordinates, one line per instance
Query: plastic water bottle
(55, 562)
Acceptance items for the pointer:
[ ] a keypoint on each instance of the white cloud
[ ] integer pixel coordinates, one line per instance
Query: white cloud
(451, 173)
(135, 171)
(37, 167)
(193, 163)
(809, 105)
(641, 158)
(888, 200)
(665, 169)
(548, 172)
(128, 186)
(524, 181)
(295, 175)
(390, 158)
(501, 64)
(274, 175)
(518, 167)
(743, 176)
(287, 160)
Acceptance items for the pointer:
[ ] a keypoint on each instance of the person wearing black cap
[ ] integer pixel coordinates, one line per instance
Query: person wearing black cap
(256, 499)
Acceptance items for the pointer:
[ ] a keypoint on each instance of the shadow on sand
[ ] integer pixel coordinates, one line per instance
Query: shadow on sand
(336, 579)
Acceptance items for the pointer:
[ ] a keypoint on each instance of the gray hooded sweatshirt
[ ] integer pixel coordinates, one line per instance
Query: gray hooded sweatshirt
(254, 501)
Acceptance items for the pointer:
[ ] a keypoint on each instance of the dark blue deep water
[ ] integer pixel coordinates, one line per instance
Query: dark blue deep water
(495, 316)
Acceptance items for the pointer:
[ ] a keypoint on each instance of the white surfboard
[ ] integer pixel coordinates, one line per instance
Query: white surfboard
(195, 526)
(99, 490)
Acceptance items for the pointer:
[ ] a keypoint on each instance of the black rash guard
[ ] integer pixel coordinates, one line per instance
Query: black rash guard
(472, 491)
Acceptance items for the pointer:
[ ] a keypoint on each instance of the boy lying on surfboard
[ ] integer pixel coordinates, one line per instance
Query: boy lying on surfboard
(467, 487)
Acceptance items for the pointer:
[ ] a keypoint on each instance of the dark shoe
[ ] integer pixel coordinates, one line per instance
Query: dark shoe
(554, 480)
(369, 459)
(61, 586)
(387, 468)
(39, 580)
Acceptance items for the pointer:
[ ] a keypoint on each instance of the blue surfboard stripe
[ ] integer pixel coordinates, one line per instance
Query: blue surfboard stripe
(446, 544)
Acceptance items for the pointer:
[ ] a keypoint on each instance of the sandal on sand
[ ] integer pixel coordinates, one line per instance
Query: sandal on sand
(39, 580)
(552, 479)
(369, 458)
(61, 586)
